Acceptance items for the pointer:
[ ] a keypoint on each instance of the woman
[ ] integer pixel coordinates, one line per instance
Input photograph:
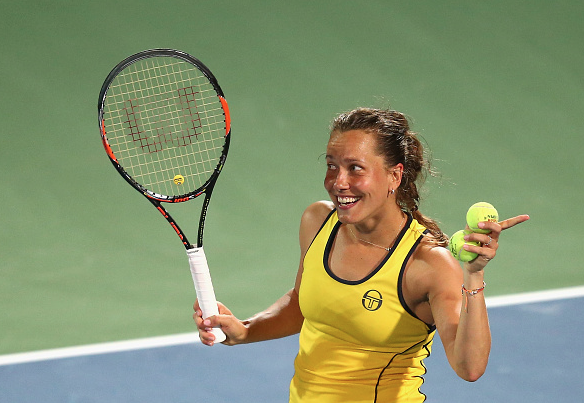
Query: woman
(375, 279)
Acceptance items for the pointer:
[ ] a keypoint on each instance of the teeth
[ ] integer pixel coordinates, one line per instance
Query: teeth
(346, 199)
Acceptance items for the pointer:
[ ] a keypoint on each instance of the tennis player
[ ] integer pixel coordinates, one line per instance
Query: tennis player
(375, 280)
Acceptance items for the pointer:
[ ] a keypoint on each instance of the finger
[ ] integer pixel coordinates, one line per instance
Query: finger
(511, 222)
(493, 228)
(223, 310)
(210, 322)
(481, 261)
(486, 240)
(207, 337)
(490, 242)
(488, 253)
(205, 328)
(198, 317)
(207, 325)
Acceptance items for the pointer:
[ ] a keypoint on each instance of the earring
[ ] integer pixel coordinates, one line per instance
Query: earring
(392, 191)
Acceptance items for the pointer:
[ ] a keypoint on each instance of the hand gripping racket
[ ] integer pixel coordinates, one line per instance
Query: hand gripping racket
(165, 126)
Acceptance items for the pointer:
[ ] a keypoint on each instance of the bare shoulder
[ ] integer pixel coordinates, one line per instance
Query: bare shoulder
(310, 223)
(317, 211)
(312, 220)
(433, 268)
(431, 254)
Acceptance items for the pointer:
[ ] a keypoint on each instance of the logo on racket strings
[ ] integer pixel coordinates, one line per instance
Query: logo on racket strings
(178, 180)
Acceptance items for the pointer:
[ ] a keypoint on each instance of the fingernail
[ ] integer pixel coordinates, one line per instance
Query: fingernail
(481, 224)
(207, 322)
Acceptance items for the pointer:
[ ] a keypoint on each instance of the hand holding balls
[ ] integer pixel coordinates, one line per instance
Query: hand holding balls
(478, 212)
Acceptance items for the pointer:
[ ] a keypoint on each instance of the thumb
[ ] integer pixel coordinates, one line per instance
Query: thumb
(221, 320)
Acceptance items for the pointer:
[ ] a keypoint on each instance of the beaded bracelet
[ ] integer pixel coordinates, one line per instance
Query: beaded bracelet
(471, 293)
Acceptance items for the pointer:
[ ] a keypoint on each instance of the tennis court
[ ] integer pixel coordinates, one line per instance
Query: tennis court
(532, 361)
(495, 89)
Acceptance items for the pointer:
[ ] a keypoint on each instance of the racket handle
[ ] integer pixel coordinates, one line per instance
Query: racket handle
(204, 287)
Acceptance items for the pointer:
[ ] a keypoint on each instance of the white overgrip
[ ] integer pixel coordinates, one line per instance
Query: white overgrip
(204, 287)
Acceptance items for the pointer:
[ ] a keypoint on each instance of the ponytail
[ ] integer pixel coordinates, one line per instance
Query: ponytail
(416, 167)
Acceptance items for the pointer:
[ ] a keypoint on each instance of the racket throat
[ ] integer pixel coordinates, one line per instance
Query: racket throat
(172, 223)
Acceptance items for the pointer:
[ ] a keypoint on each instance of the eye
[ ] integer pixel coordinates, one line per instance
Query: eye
(330, 166)
(356, 168)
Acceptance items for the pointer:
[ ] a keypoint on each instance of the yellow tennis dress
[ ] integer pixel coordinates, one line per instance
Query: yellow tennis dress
(359, 341)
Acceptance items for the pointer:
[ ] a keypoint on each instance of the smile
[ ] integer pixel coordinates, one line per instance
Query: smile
(346, 201)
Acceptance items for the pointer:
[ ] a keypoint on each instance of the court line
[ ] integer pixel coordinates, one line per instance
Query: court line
(188, 338)
(100, 348)
(535, 296)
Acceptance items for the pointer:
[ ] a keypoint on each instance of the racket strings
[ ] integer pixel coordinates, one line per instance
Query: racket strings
(165, 124)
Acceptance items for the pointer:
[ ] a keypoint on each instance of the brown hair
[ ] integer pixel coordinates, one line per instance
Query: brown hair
(398, 144)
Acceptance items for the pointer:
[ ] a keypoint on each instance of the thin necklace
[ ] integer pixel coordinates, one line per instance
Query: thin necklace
(374, 244)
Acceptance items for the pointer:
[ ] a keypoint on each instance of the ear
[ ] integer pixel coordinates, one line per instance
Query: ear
(395, 175)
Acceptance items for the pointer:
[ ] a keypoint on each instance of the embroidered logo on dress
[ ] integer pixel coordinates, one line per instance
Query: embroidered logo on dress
(372, 300)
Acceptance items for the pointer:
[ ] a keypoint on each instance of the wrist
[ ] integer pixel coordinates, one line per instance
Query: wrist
(245, 332)
(470, 293)
(473, 280)
(473, 291)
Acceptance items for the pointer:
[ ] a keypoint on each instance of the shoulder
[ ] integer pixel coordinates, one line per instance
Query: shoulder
(433, 269)
(317, 211)
(429, 252)
(310, 223)
(312, 219)
(432, 281)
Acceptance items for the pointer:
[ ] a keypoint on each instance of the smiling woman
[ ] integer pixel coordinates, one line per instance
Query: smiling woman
(374, 281)
(401, 151)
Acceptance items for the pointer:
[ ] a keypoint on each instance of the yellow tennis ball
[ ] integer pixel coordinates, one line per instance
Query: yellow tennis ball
(456, 247)
(480, 212)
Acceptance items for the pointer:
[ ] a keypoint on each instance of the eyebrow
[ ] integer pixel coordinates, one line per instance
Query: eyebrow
(349, 160)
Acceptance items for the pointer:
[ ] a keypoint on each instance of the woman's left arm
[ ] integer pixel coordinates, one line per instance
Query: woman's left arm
(461, 316)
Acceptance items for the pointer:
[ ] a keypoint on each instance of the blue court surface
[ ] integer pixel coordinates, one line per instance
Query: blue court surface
(535, 358)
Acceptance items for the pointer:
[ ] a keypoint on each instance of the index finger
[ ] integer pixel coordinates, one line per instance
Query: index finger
(511, 222)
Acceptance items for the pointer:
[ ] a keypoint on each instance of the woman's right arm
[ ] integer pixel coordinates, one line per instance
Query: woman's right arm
(281, 319)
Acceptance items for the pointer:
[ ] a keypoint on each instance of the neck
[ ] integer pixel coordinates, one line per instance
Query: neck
(382, 225)
(382, 235)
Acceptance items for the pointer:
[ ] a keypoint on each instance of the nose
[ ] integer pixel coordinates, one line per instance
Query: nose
(341, 180)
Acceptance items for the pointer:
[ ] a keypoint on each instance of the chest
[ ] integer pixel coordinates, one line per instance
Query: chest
(356, 262)
(368, 310)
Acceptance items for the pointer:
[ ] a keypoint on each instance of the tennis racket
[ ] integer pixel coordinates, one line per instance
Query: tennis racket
(165, 126)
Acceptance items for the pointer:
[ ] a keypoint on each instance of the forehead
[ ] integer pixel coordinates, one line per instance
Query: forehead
(352, 142)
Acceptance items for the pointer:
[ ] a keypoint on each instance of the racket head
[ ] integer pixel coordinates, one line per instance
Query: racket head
(165, 124)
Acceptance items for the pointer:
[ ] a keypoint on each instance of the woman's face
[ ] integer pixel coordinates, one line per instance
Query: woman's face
(357, 179)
